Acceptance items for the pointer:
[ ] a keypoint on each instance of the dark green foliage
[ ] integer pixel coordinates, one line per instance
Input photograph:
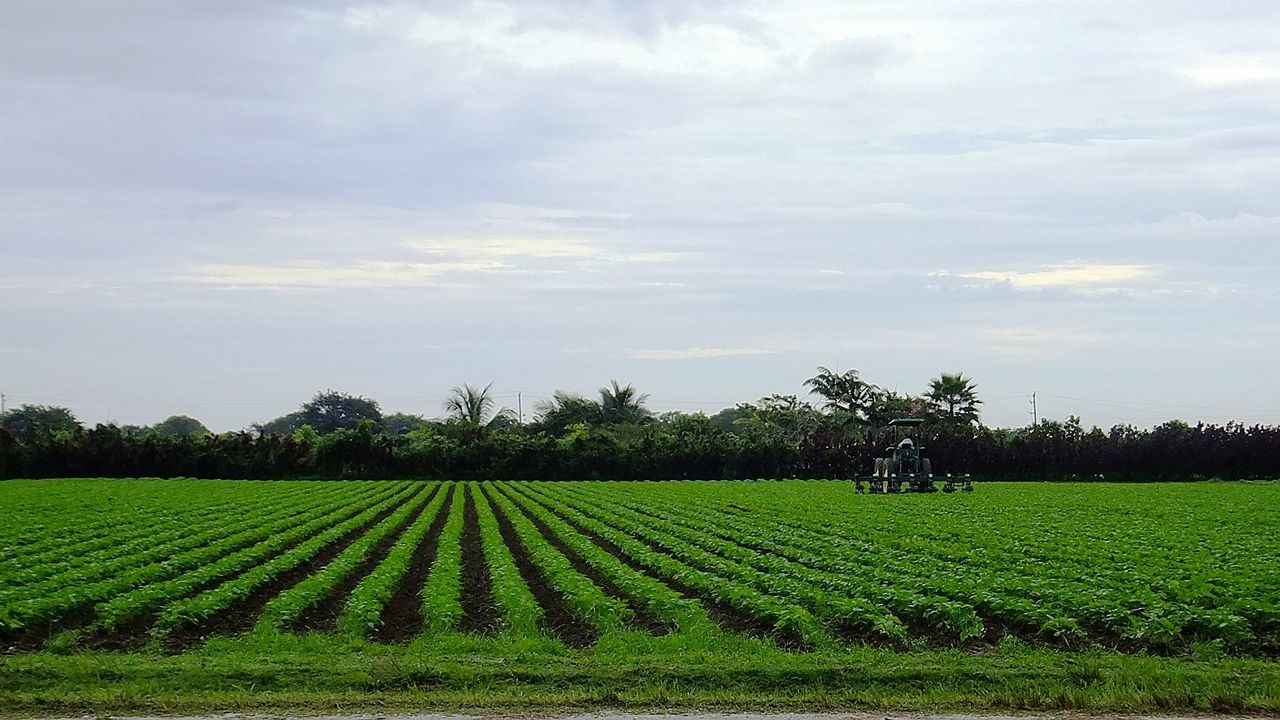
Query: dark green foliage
(330, 411)
(401, 423)
(36, 420)
(283, 425)
(178, 425)
(623, 404)
(617, 437)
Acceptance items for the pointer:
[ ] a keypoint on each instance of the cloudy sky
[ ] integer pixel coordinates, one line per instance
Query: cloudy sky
(219, 207)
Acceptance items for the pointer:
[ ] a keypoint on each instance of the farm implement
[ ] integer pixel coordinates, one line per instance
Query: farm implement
(904, 468)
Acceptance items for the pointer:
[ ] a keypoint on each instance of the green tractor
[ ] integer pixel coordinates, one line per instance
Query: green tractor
(904, 468)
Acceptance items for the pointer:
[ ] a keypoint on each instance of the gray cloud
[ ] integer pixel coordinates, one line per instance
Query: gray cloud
(705, 198)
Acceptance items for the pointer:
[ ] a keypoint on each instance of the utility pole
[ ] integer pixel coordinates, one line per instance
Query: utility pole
(2, 398)
(1035, 416)
(520, 405)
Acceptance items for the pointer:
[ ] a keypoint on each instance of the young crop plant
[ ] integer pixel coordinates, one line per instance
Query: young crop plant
(661, 601)
(941, 615)
(583, 597)
(849, 614)
(441, 596)
(71, 548)
(285, 609)
(79, 524)
(157, 548)
(219, 561)
(364, 608)
(202, 607)
(521, 614)
(788, 619)
(53, 605)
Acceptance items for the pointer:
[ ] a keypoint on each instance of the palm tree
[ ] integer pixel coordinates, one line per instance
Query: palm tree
(623, 404)
(846, 394)
(955, 397)
(471, 406)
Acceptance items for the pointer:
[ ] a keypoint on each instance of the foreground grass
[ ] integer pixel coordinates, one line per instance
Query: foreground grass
(315, 673)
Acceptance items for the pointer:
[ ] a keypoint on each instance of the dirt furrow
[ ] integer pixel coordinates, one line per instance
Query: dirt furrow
(643, 618)
(242, 614)
(479, 611)
(724, 615)
(324, 615)
(134, 633)
(558, 619)
(402, 616)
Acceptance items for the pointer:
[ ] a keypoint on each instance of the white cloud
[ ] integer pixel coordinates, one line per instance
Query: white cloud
(504, 247)
(332, 276)
(696, 353)
(1075, 276)
(1241, 68)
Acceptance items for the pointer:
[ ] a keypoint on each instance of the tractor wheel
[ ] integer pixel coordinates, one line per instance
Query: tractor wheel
(926, 468)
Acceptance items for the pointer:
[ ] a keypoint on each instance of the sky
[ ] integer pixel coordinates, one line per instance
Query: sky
(220, 207)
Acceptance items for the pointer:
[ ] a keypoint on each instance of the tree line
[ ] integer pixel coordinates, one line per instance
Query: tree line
(615, 435)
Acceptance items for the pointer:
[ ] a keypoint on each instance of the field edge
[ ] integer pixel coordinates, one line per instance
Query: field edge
(317, 676)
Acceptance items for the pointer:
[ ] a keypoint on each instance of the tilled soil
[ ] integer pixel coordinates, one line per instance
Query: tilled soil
(133, 633)
(402, 616)
(479, 610)
(324, 615)
(557, 618)
(242, 614)
(724, 615)
(643, 618)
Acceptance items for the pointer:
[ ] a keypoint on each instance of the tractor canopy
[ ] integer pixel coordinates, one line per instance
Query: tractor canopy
(906, 422)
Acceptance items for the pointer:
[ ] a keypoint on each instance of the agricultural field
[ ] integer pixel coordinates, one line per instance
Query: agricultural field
(724, 589)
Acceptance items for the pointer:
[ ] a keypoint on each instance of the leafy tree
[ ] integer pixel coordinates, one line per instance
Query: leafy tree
(330, 410)
(785, 416)
(888, 405)
(623, 404)
(566, 409)
(39, 420)
(180, 425)
(844, 394)
(401, 423)
(954, 397)
(730, 419)
(283, 425)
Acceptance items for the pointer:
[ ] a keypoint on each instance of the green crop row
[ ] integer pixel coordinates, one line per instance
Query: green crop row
(47, 607)
(363, 610)
(93, 543)
(856, 605)
(251, 546)
(284, 609)
(204, 606)
(675, 563)
(521, 613)
(662, 602)
(1057, 603)
(583, 597)
(65, 514)
(72, 570)
(441, 595)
